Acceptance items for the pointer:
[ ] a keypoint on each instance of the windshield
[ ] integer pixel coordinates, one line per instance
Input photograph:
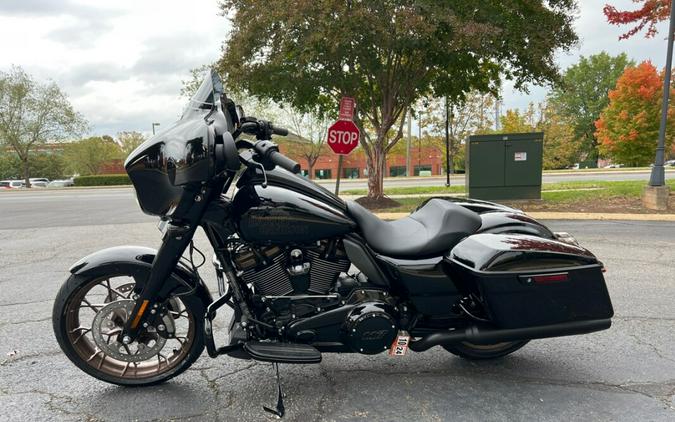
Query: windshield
(207, 96)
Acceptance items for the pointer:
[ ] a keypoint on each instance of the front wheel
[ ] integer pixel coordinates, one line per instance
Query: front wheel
(90, 312)
(472, 351)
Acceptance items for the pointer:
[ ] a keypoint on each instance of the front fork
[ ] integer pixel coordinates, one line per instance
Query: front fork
(175, 241)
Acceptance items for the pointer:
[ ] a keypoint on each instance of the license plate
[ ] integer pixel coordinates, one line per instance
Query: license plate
(400, 345)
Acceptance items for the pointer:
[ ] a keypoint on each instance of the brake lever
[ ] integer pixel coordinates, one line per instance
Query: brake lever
(252, 163)
(264, 172)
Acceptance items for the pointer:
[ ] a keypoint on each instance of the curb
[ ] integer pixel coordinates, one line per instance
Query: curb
(566, 216)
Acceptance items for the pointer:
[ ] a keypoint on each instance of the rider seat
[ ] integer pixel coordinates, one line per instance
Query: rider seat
(431, 230)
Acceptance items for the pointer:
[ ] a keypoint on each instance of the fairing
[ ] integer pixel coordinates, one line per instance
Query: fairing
(167, 169)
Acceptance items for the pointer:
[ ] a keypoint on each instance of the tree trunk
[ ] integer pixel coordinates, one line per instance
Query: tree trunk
(26, 173)
(310, 170)
(377, 166)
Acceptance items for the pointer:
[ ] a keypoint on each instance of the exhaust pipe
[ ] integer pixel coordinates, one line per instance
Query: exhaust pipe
(476, 335)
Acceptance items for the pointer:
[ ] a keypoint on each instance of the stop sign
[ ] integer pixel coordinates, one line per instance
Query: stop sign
(343, 137)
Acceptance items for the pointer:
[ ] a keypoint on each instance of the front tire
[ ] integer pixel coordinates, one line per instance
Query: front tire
(472, 351)
(88, 309)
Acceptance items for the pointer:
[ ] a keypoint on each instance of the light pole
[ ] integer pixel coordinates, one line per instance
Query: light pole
(658, 174)
(153, 127)
(656, 194)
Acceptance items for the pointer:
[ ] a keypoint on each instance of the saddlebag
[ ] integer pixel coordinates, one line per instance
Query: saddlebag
(527, 281)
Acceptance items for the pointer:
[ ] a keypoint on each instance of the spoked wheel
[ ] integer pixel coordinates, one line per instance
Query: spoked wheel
(89, 314)
(484, 351)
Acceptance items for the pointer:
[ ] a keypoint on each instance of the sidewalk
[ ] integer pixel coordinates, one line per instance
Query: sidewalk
(566, 216)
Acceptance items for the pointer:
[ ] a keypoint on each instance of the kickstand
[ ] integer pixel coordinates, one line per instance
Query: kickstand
(280, 410)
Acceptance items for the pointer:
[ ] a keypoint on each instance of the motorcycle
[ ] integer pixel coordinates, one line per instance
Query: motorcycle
(305, 272)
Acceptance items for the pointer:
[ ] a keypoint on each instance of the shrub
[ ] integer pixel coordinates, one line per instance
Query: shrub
(103, 180)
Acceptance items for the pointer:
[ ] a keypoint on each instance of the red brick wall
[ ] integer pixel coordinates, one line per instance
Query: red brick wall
(113, 167)
(426, 156)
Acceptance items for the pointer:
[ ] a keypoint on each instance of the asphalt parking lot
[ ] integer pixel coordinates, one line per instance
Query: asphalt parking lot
(625, 373)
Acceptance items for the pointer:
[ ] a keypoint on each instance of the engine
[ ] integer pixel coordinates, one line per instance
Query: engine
(289, 270)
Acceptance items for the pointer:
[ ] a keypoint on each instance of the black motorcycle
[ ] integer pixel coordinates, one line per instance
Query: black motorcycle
(306, 273)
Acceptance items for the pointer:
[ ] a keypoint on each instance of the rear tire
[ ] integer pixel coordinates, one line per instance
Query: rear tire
(484, 351)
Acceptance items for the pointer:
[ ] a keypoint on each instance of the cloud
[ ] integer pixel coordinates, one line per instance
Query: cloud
(121, 65)
(32, 8)
(81, 33)
(595, 35)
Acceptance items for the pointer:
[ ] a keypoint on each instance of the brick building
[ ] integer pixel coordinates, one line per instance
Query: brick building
(425, 161)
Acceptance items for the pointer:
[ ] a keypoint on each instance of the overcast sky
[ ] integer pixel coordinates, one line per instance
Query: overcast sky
(122, 62)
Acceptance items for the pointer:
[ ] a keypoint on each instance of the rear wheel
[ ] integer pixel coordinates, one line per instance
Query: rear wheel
(89, 313)
(484, 351)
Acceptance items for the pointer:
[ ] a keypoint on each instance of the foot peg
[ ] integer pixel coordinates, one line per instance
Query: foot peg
(282, 352)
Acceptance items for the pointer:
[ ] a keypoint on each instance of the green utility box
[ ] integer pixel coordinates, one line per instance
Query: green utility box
(505, 166)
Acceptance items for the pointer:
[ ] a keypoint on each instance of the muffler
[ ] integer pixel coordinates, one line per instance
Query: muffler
(489, 335)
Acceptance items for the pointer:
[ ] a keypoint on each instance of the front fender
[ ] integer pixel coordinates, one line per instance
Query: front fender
(137, 262)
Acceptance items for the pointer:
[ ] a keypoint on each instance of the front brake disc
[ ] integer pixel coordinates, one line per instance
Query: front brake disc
(107, 325)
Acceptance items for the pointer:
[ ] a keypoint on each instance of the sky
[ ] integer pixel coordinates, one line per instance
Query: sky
(122, 62)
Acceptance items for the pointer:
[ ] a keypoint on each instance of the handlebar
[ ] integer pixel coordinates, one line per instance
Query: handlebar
(284, 162)
(263, 130)
(279, 130)
(269, 151)
(266, 152)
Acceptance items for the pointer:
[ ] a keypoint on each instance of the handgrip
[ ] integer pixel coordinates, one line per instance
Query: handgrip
(284, 162)
(279, 131)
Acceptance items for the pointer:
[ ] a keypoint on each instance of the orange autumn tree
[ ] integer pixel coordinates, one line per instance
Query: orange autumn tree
(647, 16)
(628, 128)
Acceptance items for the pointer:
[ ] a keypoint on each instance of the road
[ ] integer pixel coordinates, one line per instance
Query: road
(458, 180)
(625, 373)
(47, 208)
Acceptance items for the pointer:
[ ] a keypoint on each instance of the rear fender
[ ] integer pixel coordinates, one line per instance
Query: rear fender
(510, 222)
(137, 261)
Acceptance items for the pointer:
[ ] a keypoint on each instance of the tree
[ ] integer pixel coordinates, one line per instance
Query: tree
(308, 137)
(387, 54)
(87, 156)
(582, 95)
(629, 127)
(33, 113)
(651, 13)
(471, 115)
(561, 146)
(42, 164)
(128, 141)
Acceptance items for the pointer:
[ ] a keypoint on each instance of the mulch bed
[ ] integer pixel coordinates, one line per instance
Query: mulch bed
(377, 204)
(604, 206)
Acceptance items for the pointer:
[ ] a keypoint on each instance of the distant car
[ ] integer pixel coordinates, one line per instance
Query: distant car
(38, 184)
(670, 163)
(614, 166)
(61, 183)
(38, 179)
(11, 184)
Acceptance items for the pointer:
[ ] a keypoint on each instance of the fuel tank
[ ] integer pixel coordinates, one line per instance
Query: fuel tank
(281, 215)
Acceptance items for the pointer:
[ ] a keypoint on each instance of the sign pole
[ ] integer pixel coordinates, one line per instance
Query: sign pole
(343, 135)
(337, 181)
